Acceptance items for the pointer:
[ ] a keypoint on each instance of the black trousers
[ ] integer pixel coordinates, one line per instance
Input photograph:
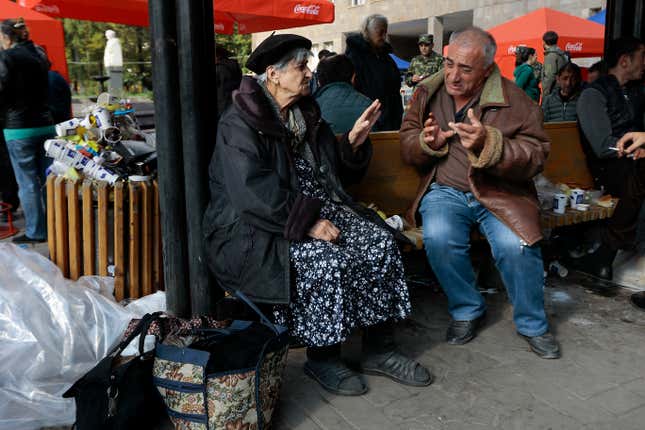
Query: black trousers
(623, 178)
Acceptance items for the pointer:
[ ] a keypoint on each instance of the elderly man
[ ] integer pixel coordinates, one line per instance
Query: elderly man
(426, 64)
(561, 104)
(479, 140)
(377, 76)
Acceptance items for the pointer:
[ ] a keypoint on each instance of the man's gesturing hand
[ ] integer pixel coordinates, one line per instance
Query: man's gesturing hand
(433, 135)
(473, 135)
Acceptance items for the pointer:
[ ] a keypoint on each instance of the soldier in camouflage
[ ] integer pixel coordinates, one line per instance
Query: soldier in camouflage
(426, 64)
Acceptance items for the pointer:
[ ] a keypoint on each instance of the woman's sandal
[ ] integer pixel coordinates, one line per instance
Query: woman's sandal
(336, 378)
(397, 367)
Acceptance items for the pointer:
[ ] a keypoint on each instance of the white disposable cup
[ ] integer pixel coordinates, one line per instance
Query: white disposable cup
(559, 203)
(577, 197)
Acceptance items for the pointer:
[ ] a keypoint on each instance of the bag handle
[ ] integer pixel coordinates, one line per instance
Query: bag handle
(240, 295)
(142, 327)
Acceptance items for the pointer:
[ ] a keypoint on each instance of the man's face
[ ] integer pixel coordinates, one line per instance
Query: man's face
(377, 35)
(636, 64)
(465, 70)
(425, 49)
(568, 82)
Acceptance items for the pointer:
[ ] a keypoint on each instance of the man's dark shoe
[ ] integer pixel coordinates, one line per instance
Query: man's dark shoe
(599, 264)
(397, 367)
(544, 346)
(336, 377)
(462, 332)
(23, 238)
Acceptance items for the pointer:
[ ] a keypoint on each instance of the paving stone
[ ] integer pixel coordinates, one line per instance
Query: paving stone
(619, 400)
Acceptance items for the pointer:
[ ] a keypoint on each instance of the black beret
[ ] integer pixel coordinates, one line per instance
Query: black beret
(272, 49)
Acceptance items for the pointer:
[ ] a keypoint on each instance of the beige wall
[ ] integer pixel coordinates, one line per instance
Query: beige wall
(486, 14)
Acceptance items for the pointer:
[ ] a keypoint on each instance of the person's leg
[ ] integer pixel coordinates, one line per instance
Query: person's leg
(522, 271)
(447, 223)
(24, 154)
(325, 366)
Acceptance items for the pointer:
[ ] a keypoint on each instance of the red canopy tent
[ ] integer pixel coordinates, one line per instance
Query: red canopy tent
(250, 15)
(579, 37)
(43, 30)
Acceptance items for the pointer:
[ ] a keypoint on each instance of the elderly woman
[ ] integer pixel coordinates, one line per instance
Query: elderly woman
(376, 73)
(281, 229)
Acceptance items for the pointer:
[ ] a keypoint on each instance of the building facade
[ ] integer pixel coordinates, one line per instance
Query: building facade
(409, 18)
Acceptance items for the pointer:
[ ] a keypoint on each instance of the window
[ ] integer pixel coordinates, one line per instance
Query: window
(328, 46)
(357, 2)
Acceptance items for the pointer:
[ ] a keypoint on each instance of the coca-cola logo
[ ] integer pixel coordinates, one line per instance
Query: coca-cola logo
(43, 8)
(219, 26)
(301, 9)
(573, 47)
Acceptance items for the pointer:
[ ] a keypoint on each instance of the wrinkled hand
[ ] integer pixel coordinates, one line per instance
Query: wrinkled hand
(473, 135)
(324, 230)
(363, 125)
(639, 153)
(637, 139)
(433, 135)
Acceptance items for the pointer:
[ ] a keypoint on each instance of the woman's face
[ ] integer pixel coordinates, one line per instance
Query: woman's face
(532, 59)
(377, 35)
(293, 81)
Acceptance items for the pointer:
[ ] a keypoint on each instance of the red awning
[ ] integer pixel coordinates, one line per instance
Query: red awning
(250, 15)
(579, 37)
(43, 30)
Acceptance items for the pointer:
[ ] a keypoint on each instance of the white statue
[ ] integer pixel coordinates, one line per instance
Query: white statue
(113, 57)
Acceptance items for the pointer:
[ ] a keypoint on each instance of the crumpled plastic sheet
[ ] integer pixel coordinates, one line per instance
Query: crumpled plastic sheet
(52, 331)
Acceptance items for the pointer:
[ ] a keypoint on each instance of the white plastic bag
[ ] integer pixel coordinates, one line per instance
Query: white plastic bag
(52, 331)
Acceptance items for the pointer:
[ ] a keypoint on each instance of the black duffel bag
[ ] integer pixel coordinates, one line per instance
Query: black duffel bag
(118, 393)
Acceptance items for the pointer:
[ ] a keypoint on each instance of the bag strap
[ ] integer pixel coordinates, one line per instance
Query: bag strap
(142, 327)
(240, 295)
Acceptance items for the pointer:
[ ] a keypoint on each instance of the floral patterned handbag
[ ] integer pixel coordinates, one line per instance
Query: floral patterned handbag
(222, 378)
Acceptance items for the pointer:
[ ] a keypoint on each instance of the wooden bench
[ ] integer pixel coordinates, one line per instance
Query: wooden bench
(392, 185)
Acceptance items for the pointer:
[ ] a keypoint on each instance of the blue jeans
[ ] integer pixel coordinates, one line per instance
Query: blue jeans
(29, 163)
(448, 217)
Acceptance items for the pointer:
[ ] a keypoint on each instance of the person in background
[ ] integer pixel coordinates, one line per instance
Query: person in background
(596, 70)
(281, 229)
(59, 97)
(377, 75)
(554, 59)
(28, 122)
(340, 104)
(608, 109)
(228, 76)
(426, 64)
(314, 83)
(561, 104)
(524, 76)
(477, 141)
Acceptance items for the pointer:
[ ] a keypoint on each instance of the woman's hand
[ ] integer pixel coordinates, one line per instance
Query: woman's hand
(363, 125)
(323, 229)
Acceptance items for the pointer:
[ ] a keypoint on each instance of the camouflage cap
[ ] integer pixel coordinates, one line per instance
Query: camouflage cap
(426, 38)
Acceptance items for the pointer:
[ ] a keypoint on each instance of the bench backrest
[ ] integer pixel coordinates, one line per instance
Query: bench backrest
(392, 185)
(567, 163)
(388, 183)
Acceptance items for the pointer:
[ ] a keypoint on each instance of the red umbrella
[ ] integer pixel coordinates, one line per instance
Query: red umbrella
(250, 15)
(43, 30)
(579, 37)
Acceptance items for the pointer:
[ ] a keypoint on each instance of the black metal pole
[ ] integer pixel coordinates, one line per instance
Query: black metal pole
(169, 161)
(196, 55)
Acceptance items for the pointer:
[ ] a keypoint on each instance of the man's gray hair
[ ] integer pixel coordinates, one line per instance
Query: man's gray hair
(297, 54)
(475, 36)
(370, 21)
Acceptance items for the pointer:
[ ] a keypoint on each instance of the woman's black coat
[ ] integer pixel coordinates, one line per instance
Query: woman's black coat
(256, 207)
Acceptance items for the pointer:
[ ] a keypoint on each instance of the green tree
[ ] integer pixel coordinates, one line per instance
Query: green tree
(238, 44)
